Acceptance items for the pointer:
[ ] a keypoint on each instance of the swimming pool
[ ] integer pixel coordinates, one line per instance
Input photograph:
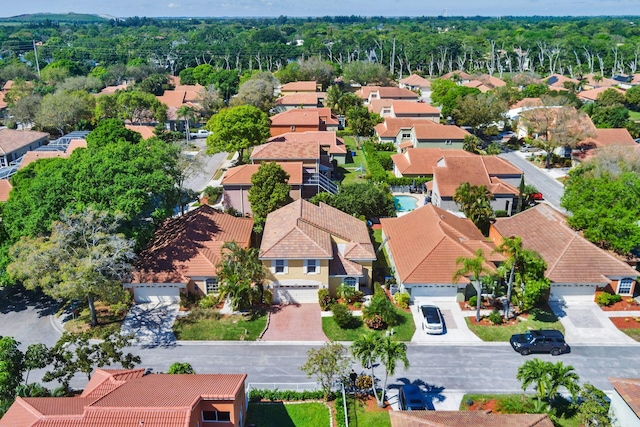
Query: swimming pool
(405, 203)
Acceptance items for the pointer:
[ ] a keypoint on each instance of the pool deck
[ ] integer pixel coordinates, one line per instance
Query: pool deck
(418, 196)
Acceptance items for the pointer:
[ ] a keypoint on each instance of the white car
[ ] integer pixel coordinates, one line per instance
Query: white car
(200, 133)
(432, 321)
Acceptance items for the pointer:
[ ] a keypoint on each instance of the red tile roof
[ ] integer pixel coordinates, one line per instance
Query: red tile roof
(146, 131)
(466, 419)
(400, 107)
(415, 80)
(392, 125)
(478, 85)
(190, 245)
(299, 145)
(461, 74)
(629, 390)
(421, 161)
(304, 117)
(556, 81)
(5, 189)
(527, 102)
(592, 94)
(302, 230)
(31, 156)
(302, 98)
(109, 90)
(608, 137)
(172, 98)
(428, 237)
(12, 140)
(478, 170)
(241, 175)
(428, 131)
(303, 86)
(75, 144)
(570, 257)
(3, 104)
(386, 92)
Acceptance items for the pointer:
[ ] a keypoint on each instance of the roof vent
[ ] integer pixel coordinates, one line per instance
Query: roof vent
(442, 216)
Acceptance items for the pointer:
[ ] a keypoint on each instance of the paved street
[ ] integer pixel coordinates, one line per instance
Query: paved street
(210, 164)
(551, 189)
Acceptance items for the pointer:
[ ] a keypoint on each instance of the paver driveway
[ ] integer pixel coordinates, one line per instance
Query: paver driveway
(295, 322)
(151, 323)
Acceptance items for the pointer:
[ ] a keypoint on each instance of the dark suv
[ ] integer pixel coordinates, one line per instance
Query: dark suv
(541, 341)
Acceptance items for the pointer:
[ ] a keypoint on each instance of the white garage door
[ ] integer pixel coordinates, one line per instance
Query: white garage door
(156, 293)
(432, 291)
(300, 294)
(573, 290)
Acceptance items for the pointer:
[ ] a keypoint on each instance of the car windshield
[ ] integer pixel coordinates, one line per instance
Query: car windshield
(528, 336)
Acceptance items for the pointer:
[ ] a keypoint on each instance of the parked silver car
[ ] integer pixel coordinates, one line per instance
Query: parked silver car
(432, 321)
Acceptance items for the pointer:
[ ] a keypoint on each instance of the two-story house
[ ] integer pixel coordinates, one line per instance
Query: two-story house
(304, 120)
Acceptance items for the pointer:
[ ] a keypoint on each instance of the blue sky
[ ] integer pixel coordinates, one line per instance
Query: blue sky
(216, 8)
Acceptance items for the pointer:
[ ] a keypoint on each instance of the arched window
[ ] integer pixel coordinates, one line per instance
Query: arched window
(350, 282)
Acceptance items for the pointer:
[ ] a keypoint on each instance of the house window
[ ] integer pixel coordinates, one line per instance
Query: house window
(624, 286)
(293, 128)
(279, 266)
(216, 416)
(406, 136)
(212, 286)
(312, 266)
(350, 282)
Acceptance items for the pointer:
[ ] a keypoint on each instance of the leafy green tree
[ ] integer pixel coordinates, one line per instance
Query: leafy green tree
(535, 90)
(361, 121)
(365, 350)
(610, 117)
(475, 202)
(237, 129)
(269, 191)
(610, 98)
(241, 275)
(390, 352)
(364, 200)
(632, 97)
(186, 77)
(85, 83)
(327, 364)
(11, 367)
(63, 110)
(594, 407)
(181, 368)
(479, 111)
(225, 81)
(155, 84)
(346, 102)
(75, 353)
(83, 258)
(257, 91)
(475, 267)
(25, 110)
(319, 71)
(448, 95)
(471, 143)
(37, 356)
(140, 107)
(366, 73)
(548, 378)
(209, 101)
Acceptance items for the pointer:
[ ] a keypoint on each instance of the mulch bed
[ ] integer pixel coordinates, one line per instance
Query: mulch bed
(488, 406)
(464, 306)
(622, 306)
(484, 321)
(626, 322)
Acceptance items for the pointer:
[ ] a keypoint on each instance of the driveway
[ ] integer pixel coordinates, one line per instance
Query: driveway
(456, 329)
(151, 324)
(27, 316)
(295, 322)
(585, 323)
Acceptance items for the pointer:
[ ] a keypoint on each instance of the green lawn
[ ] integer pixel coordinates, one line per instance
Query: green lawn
(521, 404)
(403, 332)
(634, 115)
(360, 417)
(538, 319)
(383, 259)
(348, 173)
(633, 333)
(228, 328)
(288, 415)
(109, 322)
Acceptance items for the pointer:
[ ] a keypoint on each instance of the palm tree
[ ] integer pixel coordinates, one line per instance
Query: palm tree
(535, 372)
(548, 378)
(476, 267)
(561, 375)
(365, 350)
(390, 353)
(187, 114)
(511, 247)
(475, 202)
(239, 273)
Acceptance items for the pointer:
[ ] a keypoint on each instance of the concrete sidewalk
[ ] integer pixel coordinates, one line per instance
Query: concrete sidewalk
(585, 323)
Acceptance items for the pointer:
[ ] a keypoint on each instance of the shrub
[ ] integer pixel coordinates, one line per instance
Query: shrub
(339, 405)
(375, 322)
(385, 146)
(377, 289)
(209, 301)
(343, 316)
(385, 162)
(402, 299)
(212, 192)
(204, 313)
(473, 301)
(188, 299)
(358, 296)
(381, 306)
(256, 395)
(607, 299)
(357, 304)
(501, 214)
(267, 297)
(324, 299)
(406, 181)
(364, 382)
(495, 318)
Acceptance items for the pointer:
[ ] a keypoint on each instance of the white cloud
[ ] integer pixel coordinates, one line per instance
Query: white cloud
(172, 5)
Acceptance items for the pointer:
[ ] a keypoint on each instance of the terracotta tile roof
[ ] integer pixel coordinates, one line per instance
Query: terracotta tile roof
(388, 92)
(31, 156)
(636, 79)
(392, 125)
(556, 81)
(461, 74)
(629, 390)
(172, 98)
(608, 137)
(604, 82)
(7, 85)
(478, 85)
(104, 381)
(5, 189)
(109, 90)
(146, 131)
(20, 414)
(421, 161)
(415, 80)
(57, 406)
(570, 257)
(241, 175)
(302, 98)
(402, 107)
(132, 418)
(592, 94)
(324, 138)
(190, 245)
(12, 140)
(527, 102)
(303, 230)
(466, 419)
(188, 88)
(406, 144)
(303, 86)
(299, 145)
(478, 170)
(491, 81)
(304, 117)
(3, 104)
(75, 144)
(428, 237)
(426, 130)
(341, 266)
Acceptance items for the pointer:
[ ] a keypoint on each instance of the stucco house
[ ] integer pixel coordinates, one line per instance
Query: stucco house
(420, 162)
(131, 398)
(404, 109)
(184, 254)
(414, 83)
(370, 93)
(423, 246)
(575, 266)
(236, 183)
(624, 409)
(300, 100)
(307, 247)
(15, 143)
(496, 173)
(304, 120)
(300, 87)
(419, 133)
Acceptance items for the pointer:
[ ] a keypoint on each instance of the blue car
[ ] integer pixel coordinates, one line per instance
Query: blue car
(411, 398)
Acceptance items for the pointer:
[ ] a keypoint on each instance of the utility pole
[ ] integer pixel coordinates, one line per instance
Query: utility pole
(36, 53)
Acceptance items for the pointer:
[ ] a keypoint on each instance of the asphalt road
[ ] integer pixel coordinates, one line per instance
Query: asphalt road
(487, 367)
(207, 169)
(551, 188)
